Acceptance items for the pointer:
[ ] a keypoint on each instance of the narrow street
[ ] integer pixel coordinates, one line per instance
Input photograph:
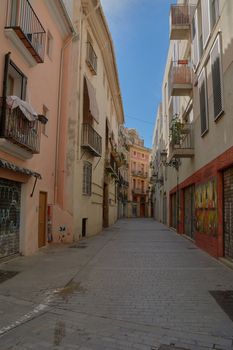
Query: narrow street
(138, 285)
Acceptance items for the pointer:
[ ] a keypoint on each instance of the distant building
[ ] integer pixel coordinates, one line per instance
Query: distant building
(138, 170)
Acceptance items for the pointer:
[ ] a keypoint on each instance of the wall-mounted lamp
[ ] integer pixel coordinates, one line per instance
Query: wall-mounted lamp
(174, 162)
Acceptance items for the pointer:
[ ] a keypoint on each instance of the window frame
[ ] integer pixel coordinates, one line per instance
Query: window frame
(217, 41)
(87, 179)
(202, 79)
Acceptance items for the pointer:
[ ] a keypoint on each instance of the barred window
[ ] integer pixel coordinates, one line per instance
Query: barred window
(87, 178)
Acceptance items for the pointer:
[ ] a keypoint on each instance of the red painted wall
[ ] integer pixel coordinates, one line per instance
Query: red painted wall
(212, 245)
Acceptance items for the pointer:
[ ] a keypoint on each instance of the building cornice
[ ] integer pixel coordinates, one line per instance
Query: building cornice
(98, 24)
(61, 17)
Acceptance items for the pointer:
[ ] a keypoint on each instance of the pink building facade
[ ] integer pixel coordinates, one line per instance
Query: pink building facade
(36, 38)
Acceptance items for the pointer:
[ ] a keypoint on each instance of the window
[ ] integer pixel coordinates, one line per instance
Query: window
(215, 58)
(104, 78)
(49, 47)
(205, 15)
(87, 178)
(44, 127)
(143, 155)
(134, 184)
(16, 82)
(214, 12)
(202, 87)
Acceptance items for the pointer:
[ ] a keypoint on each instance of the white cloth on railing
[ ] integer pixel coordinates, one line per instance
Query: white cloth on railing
(14, 102)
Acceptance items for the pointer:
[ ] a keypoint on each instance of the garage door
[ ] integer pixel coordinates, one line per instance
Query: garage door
(228, 212)
(10, 193)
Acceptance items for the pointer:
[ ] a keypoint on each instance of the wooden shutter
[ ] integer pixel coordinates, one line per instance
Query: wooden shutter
(215, 58)
(203, 101)
(205, 15)
(195, 51)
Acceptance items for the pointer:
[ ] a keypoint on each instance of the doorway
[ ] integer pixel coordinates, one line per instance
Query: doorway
(189, 211)
(42, 219)
(105, 206)
(228, 212)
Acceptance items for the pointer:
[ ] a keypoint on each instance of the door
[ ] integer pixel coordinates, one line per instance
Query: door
(228, 212)
(189, 212)
(105, 206)
(42, 219)
(10, 195)
(142, 210)
(174, 211)
(164, 209)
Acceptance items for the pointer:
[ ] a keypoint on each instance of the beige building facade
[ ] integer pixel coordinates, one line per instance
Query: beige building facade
(89, 164)
(193, 149)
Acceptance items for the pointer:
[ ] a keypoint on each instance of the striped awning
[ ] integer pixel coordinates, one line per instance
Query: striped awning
(10, 166)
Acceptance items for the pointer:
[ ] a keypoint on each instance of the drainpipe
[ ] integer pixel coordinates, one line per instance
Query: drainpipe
(74, 35)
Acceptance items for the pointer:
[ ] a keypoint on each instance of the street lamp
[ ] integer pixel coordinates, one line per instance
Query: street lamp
(174, 163)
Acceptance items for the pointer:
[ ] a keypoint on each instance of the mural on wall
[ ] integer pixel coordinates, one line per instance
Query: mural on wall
(206, 208)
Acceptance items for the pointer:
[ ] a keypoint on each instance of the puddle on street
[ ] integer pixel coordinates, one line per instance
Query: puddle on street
(71, 288)
(59, 332)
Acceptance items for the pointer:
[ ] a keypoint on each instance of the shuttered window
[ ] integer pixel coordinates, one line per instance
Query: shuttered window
(214, 12)
(195, 44)
(87, 178)
(202, 87)
(205, 15)
(215, 58)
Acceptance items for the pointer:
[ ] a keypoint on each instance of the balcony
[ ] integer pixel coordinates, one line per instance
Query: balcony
(91, 140)
(180, 79)
(111, 165)
(16, 129)
(140, 191)
(24, 22)
(180, 21)
(182, 142)
(139, 173)
(91, 58)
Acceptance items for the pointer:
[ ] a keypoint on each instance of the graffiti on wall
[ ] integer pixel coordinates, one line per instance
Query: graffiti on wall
(206, 208)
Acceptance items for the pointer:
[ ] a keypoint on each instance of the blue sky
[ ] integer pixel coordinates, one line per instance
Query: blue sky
(140, 31)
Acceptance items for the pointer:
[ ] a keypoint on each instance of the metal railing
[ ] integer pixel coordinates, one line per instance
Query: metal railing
(180, 74)
(91, 58)
(181, 15)
(138, 190)
(184, 139)
(22, 18)
(140, 173)
(91, 139)
(18, 129)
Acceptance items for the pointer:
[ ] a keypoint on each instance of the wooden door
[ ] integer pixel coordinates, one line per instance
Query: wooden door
(189, 212)
(42, 219)
(105, 206)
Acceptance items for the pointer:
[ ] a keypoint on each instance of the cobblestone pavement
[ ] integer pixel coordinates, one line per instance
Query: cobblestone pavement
(136, 286)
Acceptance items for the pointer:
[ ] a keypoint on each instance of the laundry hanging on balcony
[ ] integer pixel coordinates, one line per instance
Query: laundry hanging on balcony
(92, 98)
(27, 110)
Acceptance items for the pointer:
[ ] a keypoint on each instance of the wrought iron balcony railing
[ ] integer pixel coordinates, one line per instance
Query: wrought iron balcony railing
(23, 20)
(182, 141)
(16, 128)
(140, 173)
(137, 190)
(91, 58)
(91, 140)
(111, 165)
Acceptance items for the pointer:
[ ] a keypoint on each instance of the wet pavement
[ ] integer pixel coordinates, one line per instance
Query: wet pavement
(138, 285)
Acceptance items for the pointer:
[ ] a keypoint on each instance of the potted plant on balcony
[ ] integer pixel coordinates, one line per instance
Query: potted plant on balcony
(176, 131)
